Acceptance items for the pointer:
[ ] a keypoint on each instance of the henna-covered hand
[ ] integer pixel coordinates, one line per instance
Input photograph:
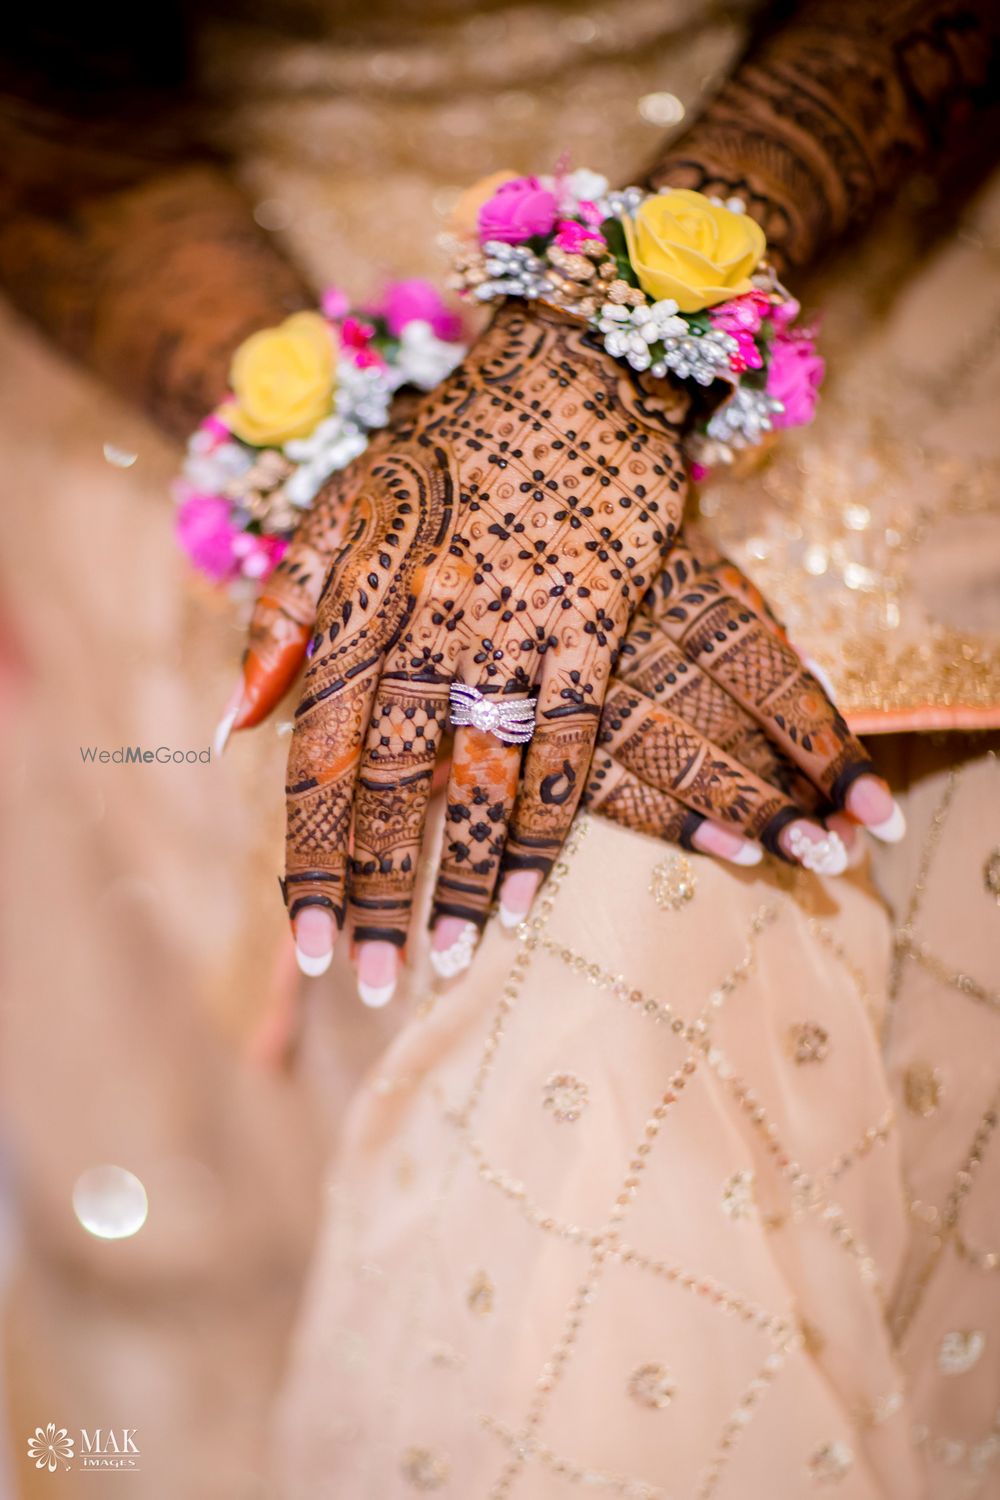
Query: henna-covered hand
(501, 536)
(716, 736)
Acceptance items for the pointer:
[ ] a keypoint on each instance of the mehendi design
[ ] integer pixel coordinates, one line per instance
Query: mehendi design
(502, 535)
(829, 111)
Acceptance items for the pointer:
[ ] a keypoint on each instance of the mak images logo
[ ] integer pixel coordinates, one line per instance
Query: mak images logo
(52, 1447)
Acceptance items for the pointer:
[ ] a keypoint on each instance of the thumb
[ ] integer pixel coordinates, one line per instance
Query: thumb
(277, 640)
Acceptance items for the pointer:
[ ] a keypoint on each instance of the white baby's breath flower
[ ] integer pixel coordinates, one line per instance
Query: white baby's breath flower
(424, 360)
(209, 466)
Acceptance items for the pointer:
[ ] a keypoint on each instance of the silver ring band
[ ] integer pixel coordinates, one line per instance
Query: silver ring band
(511, 720)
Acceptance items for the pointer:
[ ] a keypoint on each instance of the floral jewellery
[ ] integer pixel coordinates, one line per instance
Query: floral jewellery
(304, 398)
(674, 282)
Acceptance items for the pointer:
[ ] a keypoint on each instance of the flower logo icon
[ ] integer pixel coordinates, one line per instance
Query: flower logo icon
(50, 1446)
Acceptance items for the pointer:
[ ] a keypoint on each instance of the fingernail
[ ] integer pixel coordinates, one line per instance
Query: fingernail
(871, 802)
(315, 935)
(225, 724)
(821, 675)
(516, 895)
(378, 964)
(892, 828)
(452, 946)
(821, 851)
(750, 854)
(313, 964)
(852, 837)
(724, 844)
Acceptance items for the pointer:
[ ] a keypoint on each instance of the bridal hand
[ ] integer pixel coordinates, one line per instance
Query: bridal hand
(500, 536)
(715, 736)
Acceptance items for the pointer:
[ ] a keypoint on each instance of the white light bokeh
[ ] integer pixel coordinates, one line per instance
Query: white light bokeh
(110, 1202)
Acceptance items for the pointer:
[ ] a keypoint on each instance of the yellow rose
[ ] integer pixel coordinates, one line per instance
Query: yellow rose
(684, 247)
(282, 380)
(464, 217)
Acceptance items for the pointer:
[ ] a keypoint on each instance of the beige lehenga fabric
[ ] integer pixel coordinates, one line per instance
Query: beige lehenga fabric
(684, 1191)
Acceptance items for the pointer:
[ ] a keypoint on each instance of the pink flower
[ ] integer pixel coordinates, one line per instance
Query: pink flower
(418, 301)
(258, 556)
(783, 314)
(590, 214)
(334, 303)
(742, 315)
(216, 432)
(518, 211)
(572, 236)
(206, 533)
(356, 337)
(794, 377)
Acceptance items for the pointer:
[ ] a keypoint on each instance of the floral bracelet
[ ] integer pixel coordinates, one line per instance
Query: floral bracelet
(675, 283)
(305, 397)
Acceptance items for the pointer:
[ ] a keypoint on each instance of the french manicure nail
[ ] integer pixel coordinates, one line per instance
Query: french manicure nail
(824, 856)
(748, 854)
(456, 958)
(511, 919)
(223, 731)
(311, 963)
(225, 724)
(376, 995)
(892, 828)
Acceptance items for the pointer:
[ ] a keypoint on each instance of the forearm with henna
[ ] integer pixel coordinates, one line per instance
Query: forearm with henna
(827, 113)
(148, 270)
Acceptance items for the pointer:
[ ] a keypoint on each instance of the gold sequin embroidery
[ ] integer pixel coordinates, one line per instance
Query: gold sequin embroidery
(922, 1089)
(481, 1294)
(991, 875)
(830, 1463)
(738, 1196)
(808, 1042)
(650, 1385)
(959, 1350)
(425, 1469)
(566, 1096)
(672, 883)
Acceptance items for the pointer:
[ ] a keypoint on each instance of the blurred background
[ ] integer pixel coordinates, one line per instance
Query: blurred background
(169, 180)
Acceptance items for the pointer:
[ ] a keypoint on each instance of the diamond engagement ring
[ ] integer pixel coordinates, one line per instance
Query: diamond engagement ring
(511, 720)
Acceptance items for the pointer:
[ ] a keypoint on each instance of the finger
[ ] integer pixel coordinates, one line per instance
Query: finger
(393, 790)
(751, 659)
(378, 969)
(283, 616)
(453, 943)
(482, 786)
(621, 796)
(654, 664)
(353, 623)
(556, 760)
(666, 752)
(322, 766)
(517, 892)
(315, 935)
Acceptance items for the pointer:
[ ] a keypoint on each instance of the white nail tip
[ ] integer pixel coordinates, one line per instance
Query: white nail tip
(750, 854)
(455, 959)
(825, 856)
(312, 965)
(892, 828)
(511, 919)
(376, 995)
(223, 731)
